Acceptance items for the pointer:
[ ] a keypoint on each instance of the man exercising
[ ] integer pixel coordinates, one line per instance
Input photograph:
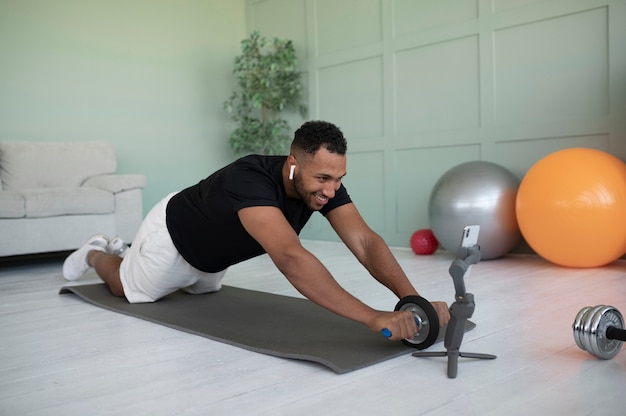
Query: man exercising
(255, 205)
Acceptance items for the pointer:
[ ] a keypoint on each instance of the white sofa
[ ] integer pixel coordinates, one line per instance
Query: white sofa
(55, 195)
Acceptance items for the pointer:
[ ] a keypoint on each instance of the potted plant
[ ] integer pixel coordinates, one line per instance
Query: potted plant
(268, 84)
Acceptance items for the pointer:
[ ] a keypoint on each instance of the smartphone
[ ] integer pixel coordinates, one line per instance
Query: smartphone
(469, 239)
(470, 236)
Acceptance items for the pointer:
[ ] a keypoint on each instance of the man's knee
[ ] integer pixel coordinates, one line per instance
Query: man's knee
(117, 290)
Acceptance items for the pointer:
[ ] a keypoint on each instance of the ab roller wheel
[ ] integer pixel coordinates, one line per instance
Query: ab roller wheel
(599, 331)
(425, 318)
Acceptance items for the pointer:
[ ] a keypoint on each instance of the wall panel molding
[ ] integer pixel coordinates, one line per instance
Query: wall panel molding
(507, 81)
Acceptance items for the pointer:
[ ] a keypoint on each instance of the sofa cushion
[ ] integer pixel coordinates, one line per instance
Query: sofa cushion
(12, 205)
(50, 202)
(53, 164)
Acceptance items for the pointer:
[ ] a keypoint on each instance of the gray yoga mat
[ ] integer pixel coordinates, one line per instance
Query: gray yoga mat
(277, 325)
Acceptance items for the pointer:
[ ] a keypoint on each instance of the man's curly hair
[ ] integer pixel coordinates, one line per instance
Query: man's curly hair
(315, 134)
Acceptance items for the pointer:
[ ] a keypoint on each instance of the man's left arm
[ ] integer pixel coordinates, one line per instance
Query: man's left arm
(374, 254)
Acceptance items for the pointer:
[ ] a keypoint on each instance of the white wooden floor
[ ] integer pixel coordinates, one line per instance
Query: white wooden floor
(62, 356)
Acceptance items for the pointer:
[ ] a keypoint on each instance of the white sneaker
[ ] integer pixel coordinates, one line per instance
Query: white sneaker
(75, 265)
(117, 247)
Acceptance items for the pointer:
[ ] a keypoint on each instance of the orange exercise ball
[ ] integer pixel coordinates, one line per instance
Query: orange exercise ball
(571, 207)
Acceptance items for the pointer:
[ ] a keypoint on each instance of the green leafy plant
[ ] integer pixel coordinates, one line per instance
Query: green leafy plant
(268, 84)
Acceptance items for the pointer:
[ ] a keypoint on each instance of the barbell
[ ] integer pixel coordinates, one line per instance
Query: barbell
(599, 330)
(426, 319)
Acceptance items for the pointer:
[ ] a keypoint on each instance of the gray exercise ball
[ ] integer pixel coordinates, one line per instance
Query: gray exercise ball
(476, 193)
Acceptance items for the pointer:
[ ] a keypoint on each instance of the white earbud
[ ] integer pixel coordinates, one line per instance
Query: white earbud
(292, 168)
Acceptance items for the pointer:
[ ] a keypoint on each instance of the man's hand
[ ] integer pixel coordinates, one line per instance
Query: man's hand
(442, 312)
(401, 324)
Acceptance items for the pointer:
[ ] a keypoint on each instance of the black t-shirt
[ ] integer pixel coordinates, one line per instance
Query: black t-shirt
(203, 220)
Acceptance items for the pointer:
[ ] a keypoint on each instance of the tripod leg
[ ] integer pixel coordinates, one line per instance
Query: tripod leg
(453, 363)
(478, 355)
(425, 354)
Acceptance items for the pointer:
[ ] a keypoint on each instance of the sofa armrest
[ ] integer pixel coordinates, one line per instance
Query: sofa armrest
(116, 183)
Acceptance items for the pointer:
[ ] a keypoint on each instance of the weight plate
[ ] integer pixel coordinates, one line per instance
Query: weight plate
(426, 318)
(592, 334)
(577, 327)
(589, 329)
(604, 347)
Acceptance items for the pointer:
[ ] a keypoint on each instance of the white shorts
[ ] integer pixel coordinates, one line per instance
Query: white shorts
(152, 268)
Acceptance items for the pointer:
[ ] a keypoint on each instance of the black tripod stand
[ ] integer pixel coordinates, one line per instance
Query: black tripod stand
(460, 311)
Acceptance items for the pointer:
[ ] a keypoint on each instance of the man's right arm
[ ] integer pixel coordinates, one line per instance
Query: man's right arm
(309, 276)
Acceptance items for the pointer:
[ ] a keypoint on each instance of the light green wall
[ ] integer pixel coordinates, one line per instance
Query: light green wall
(420, 86)
(150, 76)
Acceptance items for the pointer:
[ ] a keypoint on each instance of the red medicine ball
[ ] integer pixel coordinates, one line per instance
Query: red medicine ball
(424, 242)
